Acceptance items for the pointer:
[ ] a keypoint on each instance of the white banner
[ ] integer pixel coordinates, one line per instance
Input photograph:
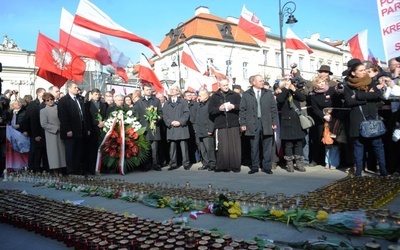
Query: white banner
(389, 18)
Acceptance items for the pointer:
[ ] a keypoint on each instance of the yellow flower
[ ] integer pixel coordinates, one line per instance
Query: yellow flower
(279, 213)
(226, 204)
(322, 215)
(233, 216)
(230, 203)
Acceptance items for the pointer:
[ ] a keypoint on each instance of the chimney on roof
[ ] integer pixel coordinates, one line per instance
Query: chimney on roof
(201, 10)
(327, 39)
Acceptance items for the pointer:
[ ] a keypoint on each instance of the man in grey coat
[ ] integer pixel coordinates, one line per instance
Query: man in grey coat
(176, 116)
(258, 117)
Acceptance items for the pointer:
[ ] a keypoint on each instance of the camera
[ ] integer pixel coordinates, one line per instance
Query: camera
(340, 84)
(298, 82)
(293, 65)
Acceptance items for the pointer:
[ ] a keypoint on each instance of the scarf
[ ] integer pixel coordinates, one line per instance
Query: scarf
(317, 90)
(360, 83)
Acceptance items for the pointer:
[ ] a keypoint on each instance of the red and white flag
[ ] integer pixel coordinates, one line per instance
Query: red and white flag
(295, 43)
(91, 44)
(218, 74)
(91, 17)
(191, 61)
(51, 77)
(146, 74)
(251, 24)
(358, 45)
(53, 57)
(372, 58)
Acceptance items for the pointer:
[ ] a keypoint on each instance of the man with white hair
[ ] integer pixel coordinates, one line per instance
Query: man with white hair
(118, 102)
(176, 116)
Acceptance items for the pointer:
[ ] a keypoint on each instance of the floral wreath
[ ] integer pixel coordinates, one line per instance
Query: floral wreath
(124, 145)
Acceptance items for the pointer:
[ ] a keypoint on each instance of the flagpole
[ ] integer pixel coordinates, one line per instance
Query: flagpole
(230, 54)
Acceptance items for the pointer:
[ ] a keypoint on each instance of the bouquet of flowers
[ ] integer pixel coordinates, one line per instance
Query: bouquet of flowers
(124, 145)
(152, 117)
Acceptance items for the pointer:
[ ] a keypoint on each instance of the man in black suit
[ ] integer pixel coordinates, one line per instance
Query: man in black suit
(73, 128)
(140, 110)
(31, 127)
(96, 111)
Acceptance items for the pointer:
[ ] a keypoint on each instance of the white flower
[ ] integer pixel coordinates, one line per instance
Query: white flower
(129, 113)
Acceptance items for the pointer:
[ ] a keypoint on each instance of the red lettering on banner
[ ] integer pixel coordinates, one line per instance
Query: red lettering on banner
(382, 2)
(397, 46)
(388, 30)
(391, 9)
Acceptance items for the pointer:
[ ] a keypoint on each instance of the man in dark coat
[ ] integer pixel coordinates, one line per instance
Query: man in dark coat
(258, 118)
(73, 128)
(140, 111)
(33, 129)
(96, 110)
(192, 144)
(176, 116)
(205, 132)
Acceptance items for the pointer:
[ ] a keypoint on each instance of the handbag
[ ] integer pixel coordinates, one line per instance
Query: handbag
(327, 138)
(371, 127)
(306, 121)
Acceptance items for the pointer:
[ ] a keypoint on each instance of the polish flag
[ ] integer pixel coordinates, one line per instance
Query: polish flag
(218, 74)
(372, 58)
(358, 45)
(91, 44)
(146, 74)
(191, 61)
(295, 43)
(53, 57)
(251, 25)
(92, 18)
(53, 78)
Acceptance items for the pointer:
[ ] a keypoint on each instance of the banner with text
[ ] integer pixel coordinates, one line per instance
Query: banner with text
(389, 17)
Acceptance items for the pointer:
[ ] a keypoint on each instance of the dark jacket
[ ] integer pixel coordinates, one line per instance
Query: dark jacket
(355, 99)
(92, 112)
(203, 124)
(70, 120)
(290, 122)
(223, 119)
(328, 99)
(20, 117)
(140, 109)
(31, 123)
(248, 111)
(178, 111)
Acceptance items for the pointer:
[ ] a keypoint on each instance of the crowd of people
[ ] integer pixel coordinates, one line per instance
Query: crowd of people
(224, 130)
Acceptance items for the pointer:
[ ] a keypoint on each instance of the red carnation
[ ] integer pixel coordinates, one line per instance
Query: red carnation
(135, 150)
(135, 136)
(113, 152)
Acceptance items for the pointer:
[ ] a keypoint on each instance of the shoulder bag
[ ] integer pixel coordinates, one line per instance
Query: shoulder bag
(371, 127)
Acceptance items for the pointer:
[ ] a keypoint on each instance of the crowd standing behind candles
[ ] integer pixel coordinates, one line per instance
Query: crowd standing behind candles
(223, 130)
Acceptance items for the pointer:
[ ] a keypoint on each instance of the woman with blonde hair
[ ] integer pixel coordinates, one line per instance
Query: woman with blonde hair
(324, 100)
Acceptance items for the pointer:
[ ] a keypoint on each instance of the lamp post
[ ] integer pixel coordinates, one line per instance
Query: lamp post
(179, 35)
(287, 9)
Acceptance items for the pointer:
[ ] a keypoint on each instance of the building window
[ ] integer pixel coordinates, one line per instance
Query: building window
(288, 61)
(209, 61)
(278, 59)
(229, 68)
(245, 65)
(312, 64)
(301, 63)
(265, 53)
(320, 62)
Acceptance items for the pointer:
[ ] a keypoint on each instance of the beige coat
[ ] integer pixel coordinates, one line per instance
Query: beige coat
(54, 145)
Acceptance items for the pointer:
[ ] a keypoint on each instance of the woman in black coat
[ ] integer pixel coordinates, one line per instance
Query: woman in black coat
(362, 99)
(291, 133)
(322, 99)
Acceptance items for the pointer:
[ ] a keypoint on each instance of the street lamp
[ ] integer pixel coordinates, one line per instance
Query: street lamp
(287, 9)
(178, 34)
